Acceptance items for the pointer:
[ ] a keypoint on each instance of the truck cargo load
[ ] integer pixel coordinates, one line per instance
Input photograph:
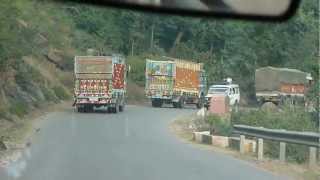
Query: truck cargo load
(175, 81)
(100, 81)
(278, 84)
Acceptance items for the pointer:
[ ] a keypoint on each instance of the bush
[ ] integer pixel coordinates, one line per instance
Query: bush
(219, 125)
(49, 94)
(60, 92)
(19, 109)
(137, 73)
(295, 119)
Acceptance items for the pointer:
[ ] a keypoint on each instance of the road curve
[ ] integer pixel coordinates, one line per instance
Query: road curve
(134, 145)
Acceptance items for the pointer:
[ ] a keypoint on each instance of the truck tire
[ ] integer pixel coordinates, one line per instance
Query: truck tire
(181, 102)
(85, 108)
(160, 103)
(236, 107)
(121, 108)
(201, 101)
(175, 105)
(88, 108)
(200, 104)
(156, 103)
(80, 109)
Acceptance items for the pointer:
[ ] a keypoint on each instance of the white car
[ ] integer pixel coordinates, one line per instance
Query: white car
(231, 90)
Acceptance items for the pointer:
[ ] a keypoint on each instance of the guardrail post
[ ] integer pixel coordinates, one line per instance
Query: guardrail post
(260, 149)
(282, 154)
(312, 156)
(242, 143)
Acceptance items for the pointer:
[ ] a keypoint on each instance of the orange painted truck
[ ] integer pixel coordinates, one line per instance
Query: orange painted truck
(174, 81)
(100, 81)
(281, 85)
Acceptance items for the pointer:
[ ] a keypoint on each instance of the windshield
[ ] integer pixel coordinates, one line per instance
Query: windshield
(103, 93)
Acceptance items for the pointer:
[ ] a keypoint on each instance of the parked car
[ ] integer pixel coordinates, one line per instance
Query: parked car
(228, 89)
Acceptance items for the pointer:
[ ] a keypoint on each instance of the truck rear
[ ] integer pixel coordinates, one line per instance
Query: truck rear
(281, 85)
(190, 84)
(175, 82)
(100, 81)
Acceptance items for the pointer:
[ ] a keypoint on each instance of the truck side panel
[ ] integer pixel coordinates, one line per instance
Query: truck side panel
(118, 79)
(292, 88)
(187, 76)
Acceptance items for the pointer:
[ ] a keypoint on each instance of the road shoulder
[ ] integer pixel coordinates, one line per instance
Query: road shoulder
(18, 135)
(182, 129)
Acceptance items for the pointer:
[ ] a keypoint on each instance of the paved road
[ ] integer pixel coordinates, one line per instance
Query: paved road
(134, 145)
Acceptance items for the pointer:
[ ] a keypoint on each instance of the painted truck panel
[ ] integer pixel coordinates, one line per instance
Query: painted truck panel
(187, 76)
(93, 65)
(293, 88)
(118, 80)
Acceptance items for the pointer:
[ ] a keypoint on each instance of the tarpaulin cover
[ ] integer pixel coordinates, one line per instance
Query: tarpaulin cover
(272, 79)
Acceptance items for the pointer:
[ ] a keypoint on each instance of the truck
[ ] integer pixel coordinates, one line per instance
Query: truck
(175, 81)
(281, 85)
(100, 82)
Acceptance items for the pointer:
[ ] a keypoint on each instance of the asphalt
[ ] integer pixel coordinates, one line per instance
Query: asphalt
(133, 145)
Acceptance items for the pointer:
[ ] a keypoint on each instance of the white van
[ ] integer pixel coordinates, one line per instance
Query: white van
(231, 90)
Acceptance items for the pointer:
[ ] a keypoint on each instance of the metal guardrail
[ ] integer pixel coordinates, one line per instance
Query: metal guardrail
(311, 139)
(295, 137)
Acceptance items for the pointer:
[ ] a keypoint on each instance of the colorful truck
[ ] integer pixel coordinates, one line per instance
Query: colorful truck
(100, 81)
(281, 85)
(176, 82)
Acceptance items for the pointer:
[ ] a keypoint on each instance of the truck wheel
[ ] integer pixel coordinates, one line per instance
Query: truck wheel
(85, 108)
(116, 109)
(200, 104)
(160, 103)
(154, 103)
(175, 105)
(121, 108)
(80, 109)
(236, 107)
(181, 102)
(90, 108)
(157, 102)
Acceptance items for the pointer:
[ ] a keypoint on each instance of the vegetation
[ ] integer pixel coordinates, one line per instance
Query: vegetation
(289, 119)
(219, 125)
(61, 92)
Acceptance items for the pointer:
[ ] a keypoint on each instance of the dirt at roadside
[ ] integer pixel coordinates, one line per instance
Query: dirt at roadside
(17, 135)
(183, 128)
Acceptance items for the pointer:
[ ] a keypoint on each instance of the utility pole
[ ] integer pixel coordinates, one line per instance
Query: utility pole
(152, 35)
(132, 47)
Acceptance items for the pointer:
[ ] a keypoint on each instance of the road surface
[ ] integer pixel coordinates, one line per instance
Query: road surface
(134, 145)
